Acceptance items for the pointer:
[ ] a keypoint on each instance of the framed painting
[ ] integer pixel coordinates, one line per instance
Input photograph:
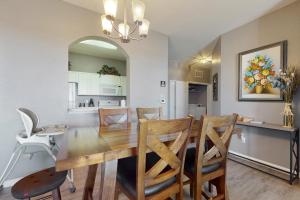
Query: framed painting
(257, 68)
(215, 87)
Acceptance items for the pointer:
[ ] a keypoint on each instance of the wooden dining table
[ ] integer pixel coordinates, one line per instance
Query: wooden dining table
(93, 146)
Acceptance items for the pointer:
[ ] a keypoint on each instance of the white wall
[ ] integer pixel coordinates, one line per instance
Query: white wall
(86, 63)
(34, 40)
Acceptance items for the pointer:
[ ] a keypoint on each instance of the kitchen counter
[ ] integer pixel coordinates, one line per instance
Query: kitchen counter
(91, 109)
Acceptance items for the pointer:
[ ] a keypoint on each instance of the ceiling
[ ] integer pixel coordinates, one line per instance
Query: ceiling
(193, 24)
(85, 49)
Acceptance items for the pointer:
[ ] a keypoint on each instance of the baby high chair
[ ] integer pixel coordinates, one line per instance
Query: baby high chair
(34, 136)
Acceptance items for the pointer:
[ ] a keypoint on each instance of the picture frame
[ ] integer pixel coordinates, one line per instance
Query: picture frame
(257, 67)
(215, 87)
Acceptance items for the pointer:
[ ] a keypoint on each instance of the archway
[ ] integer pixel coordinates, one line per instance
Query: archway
(98, 74)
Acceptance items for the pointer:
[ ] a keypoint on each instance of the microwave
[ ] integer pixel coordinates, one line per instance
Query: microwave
(110, 90)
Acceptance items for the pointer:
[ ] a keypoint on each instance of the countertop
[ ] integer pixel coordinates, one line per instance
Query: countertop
(90, 109)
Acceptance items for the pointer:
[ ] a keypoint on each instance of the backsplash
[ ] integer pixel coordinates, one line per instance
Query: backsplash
(96, 99)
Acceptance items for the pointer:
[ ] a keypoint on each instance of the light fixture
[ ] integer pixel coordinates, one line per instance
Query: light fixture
(99, 43)
(123, 31)
(204, 60)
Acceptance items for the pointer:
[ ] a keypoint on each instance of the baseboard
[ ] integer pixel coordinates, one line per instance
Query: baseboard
(11, 182)
(270, 168)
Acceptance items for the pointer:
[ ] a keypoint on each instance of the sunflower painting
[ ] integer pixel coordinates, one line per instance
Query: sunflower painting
(257, 69)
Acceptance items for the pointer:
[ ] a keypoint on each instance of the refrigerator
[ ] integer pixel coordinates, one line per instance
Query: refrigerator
(178, 99)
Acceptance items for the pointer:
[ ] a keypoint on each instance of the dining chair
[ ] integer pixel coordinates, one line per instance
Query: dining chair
(149, 113)
(207, 161)
(158, 174)
(114, 116)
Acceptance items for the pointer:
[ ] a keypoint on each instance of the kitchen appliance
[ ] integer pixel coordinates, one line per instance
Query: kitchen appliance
(110, 90)
(178, 99)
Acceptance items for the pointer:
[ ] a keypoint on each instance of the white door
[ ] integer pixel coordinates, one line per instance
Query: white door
(178, 99)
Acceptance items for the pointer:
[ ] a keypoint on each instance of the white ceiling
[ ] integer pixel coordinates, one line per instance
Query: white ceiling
(193, 24)
(85, 49)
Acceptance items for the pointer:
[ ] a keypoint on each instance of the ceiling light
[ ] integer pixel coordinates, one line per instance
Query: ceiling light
(123, 31)
(98, 43)
(204, 60)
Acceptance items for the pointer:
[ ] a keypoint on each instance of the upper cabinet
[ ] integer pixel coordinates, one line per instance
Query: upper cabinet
(73, 76)
(93, 84)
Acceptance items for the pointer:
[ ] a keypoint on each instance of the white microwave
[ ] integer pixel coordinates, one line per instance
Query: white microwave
(110, 90)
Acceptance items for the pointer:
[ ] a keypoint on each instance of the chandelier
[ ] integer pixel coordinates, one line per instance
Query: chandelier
(123, 31)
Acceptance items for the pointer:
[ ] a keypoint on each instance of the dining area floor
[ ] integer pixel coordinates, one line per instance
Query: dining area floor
(244, 183)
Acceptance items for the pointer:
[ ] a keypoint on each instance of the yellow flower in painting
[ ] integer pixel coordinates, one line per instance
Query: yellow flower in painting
(250, 80)
(257, 77)
(265, 72)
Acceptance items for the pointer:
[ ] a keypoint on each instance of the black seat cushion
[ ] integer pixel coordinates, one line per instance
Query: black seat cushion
(38, 183)
(189, 165)
(126, 175)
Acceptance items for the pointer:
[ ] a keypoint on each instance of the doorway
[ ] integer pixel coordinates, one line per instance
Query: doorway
(197, 99)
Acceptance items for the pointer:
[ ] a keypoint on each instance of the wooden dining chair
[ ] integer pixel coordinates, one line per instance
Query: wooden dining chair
(114, 116)
(158, 174)
(207, 161)
(149, 113)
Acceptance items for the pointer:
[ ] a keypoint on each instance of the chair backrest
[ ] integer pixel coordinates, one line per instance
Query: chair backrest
(114, 116)
(149, 113)
(30, 121)
(218, 131)
(171, 154)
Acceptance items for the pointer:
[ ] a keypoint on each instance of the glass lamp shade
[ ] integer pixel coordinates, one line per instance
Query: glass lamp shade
(138, 10)
(124, 32)
(110, 8)
(144, 28)
(106, 25)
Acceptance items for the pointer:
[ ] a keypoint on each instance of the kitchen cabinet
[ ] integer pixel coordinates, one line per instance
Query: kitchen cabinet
(123, 84)
(93, 84)
(88, 84)
(73, 77)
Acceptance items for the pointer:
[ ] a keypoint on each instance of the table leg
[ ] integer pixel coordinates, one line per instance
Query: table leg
(108, 180)
(89, 183)
(291, 158)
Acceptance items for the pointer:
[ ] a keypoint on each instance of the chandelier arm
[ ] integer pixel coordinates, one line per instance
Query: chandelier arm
(133, 30)
(114, 27)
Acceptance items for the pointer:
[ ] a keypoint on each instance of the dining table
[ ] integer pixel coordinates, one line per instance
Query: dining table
(93, 146)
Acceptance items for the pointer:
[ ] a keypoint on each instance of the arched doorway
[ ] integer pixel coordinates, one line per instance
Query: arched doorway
(98, 75)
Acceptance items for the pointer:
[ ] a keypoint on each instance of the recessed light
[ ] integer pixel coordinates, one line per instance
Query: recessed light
(98, 43)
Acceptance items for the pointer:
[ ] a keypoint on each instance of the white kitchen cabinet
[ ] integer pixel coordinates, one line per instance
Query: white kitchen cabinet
(88, 84)
(107, 85)
(123, 85)
(73, 77)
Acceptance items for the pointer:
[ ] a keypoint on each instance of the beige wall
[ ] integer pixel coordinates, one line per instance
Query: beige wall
(34, 40)
(283, 24)
(86, 63)
(184, 71)
(216, 69)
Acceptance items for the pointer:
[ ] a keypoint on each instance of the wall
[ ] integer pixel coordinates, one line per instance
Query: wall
(34, 40)
(283, 24)
(216, 68)
(184, 71)
(86, 63)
